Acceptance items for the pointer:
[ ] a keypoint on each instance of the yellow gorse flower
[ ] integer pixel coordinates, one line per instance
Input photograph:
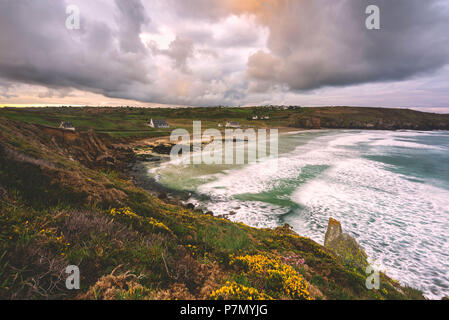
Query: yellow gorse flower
(235, 291)
(129, 213)
(273, 269)
(123, 212)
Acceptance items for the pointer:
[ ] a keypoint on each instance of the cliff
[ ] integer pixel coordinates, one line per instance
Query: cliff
(368, 118)
(65, 199)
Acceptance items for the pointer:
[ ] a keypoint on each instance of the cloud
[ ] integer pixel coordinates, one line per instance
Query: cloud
(209, 52)
(320, 43)
(38, 49)
(179, 50)
(132, 16)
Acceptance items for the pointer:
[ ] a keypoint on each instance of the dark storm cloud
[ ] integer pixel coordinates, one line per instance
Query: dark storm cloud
(37, 48)
(325, 43)
(311, 44)
(132, 16)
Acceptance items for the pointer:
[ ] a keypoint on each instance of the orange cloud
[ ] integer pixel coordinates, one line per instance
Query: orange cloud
(263, 9)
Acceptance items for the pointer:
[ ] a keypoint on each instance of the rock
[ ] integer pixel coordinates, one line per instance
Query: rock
(147, 158)
(209, 213)
(163, 149)
(232, 213)
(334, 231)
(344, 246)
(190, 206)
(285, 230)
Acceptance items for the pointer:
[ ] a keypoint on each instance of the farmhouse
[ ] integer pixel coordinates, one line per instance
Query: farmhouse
(67, 126)
(232, 124)
(158, 124)
(260, 117)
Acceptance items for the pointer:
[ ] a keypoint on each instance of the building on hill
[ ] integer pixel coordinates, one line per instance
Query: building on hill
(260, 117)
(65, 125)
(158, 124)
(232, 124)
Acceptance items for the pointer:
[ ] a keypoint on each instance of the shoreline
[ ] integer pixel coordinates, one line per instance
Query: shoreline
(174, 199)
(166, 139)
(137, 171)
(64, 180)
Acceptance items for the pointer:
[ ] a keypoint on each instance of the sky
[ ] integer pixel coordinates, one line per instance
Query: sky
(225, 52)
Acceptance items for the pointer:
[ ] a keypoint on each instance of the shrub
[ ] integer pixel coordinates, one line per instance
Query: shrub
(235, 291)
(122, 287)
(274, 276)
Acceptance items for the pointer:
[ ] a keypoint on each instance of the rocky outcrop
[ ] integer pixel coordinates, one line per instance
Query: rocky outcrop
(96, 151)
(34, 157)
(91, 149)
(344, 246)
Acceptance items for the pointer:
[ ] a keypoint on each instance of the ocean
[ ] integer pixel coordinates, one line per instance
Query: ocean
(390, 191)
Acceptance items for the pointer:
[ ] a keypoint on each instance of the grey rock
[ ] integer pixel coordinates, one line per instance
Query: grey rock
(344, 246)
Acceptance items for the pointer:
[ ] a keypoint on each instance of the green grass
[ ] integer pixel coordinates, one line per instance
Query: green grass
(56, 212)
(131, 122)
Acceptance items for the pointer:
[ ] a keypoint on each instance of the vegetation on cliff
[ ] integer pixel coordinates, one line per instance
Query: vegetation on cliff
(68, 201)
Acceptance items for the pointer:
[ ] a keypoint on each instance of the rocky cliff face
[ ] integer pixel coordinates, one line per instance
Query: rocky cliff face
(34, 157)
(91, 149)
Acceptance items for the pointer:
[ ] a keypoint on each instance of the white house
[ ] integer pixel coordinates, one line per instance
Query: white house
(158, 124)
(232, 124)
(64, 125)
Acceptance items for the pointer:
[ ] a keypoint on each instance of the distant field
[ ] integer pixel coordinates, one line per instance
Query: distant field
(131, 122)
(115, 122)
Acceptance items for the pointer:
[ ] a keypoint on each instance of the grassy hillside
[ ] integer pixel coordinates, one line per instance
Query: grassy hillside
(369, 118)
(65, 200)
(130, 122)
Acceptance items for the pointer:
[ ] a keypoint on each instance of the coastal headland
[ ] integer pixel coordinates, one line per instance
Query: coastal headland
(69, 199)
